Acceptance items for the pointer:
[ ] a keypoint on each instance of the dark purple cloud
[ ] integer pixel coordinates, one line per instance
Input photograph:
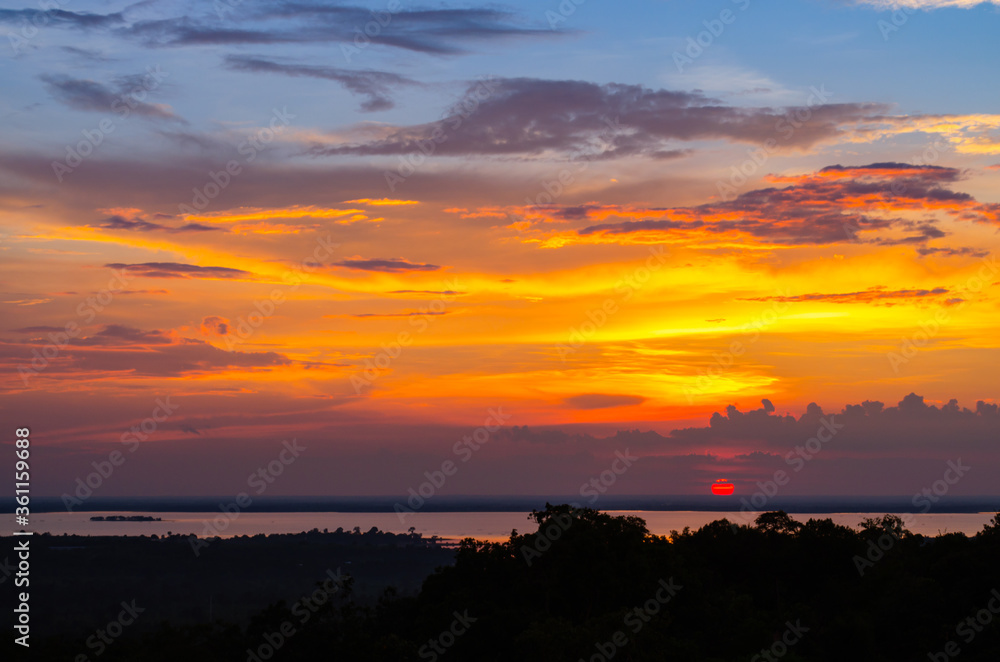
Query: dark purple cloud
(869, 429)
(532, 116)
(119, 334)
(911, 426)
(393, 265)
(118, 351)
(872, 295)
(178, 270)
(118, 222)
(953, 252)
(215, 325)
(837, 204)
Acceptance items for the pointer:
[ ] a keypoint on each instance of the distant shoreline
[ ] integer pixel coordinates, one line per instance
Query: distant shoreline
(481, 525)
(512, 504)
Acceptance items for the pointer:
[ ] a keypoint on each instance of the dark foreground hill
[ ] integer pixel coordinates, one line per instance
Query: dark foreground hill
(583, 585)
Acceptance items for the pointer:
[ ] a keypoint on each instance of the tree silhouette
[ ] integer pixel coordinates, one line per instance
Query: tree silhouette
(777, 522)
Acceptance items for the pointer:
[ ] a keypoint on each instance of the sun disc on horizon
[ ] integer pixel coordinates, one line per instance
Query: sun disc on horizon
(722, 487)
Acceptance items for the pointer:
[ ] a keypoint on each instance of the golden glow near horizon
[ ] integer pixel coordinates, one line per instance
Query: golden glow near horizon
(419, 246)
(679, 321)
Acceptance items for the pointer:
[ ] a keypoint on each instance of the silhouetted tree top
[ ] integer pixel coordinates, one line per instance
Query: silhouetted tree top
(777, 522)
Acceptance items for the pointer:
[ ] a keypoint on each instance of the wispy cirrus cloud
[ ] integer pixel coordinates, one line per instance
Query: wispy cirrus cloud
(89, 54)
(375, 86)
(62, 18)
(433, 31)
(91, 96)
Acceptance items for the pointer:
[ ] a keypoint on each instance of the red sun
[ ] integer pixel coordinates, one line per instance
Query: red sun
(722, 486)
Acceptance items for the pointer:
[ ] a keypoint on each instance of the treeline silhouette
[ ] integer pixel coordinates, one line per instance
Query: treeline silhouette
(582, 585)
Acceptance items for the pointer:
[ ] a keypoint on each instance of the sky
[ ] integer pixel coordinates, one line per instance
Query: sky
(727, 238)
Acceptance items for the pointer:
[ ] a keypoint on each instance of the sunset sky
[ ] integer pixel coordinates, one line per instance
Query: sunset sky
(692, 230)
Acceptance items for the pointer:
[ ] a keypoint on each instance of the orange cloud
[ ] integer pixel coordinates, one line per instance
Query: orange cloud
(262, 214)
(968, 134)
